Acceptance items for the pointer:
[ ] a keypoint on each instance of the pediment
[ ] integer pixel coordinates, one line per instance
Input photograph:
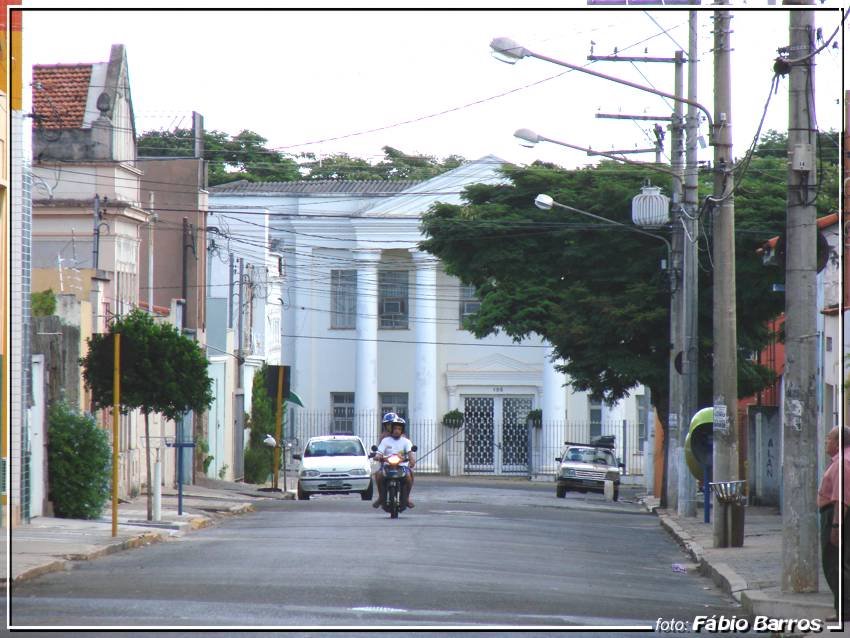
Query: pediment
(493, 363)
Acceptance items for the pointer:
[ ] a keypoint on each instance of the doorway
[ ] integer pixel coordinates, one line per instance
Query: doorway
(496, 434)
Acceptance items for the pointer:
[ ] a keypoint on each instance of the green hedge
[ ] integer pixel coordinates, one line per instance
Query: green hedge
(79, 464)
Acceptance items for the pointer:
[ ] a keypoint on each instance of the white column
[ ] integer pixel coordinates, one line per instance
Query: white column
(366, 367)
(554, 406)
(423, 411)
(554, 400)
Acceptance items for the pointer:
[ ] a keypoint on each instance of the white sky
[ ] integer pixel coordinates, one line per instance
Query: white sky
(297, 77)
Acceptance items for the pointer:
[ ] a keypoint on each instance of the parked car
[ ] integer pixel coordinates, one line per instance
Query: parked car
(334, 464)
(585, 467)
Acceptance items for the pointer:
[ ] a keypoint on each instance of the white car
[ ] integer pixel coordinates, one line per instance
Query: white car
(334, 464)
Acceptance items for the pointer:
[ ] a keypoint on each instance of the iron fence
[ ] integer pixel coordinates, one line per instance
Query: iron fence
(475, 448)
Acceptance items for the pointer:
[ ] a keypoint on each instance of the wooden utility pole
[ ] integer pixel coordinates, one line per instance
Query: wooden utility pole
(725, 338)
(800, 566)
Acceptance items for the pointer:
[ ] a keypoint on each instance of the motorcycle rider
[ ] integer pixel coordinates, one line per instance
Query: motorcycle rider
(395, 443)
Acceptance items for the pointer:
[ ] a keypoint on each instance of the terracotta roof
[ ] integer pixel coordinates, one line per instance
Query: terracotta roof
(59, 94)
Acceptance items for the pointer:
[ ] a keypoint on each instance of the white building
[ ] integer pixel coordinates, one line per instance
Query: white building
(372, 324)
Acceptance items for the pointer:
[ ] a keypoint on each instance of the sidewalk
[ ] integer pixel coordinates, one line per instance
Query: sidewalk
(752, 574)
(48, 544)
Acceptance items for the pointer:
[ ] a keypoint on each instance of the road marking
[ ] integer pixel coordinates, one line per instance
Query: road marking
(380, 610)
(461, 512)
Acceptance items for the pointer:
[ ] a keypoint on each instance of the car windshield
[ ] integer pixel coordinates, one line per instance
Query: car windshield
(334, 448)
(590, 455)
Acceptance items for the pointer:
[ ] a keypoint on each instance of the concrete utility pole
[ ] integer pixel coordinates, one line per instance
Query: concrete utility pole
(674, 416)
(800, 567)
(690, 277)
(725, 337)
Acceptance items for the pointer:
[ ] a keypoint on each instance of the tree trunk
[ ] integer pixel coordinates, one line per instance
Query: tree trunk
(148, 463)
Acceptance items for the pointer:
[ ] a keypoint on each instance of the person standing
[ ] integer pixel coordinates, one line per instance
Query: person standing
(833, 516)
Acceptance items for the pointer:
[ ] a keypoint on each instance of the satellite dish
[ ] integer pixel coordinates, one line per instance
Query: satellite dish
(269, 440)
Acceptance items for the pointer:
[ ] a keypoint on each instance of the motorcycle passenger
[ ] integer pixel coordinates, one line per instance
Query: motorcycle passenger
(386, 425)
(395, 443)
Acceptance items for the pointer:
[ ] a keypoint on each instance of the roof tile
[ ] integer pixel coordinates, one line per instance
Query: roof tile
(60, 94)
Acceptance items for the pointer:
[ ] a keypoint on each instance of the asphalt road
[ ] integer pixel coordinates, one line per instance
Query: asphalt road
(473, 553)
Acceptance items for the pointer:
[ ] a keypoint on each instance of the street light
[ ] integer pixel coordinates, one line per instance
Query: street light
(546, 202)
(506, 50)
(528, 138)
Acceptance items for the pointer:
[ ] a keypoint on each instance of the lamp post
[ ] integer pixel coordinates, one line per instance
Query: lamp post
(545, 202)
(683, 392)
(506, 50)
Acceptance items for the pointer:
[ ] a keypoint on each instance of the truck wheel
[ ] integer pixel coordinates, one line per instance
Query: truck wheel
(560, 491)
(302, 496)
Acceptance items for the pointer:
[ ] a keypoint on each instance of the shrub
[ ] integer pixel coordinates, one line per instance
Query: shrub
(453, 419)
(535, 417)
(79, 462)
(258, 465)
(43, 304)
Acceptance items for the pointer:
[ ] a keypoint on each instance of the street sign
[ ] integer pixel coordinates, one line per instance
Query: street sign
(271, 382)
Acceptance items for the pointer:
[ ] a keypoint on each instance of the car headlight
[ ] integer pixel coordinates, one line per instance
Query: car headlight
(308, 473)
(613, 476)
(568, 472)
(358, 472)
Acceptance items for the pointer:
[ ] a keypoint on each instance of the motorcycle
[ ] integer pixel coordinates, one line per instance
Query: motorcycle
(394, 474)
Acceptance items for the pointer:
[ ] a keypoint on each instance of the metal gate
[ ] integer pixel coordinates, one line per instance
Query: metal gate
(496, 434)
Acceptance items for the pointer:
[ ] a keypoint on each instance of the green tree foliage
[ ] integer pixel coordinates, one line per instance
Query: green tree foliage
(43, 304)
(161, 371)
(243, 156)
(258, 456)
(394, 165)
(596, 291)
(78, 454)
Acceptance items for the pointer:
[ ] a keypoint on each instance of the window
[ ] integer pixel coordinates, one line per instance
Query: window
(394, 402)
(595, 413)
(641, 419)
(468, 304)
(392, 299)
(342, 405)
(343, 299)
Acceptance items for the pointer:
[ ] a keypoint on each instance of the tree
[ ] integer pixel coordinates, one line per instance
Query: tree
(161, 371)
(243, 156)
(395, 165)
(595, 291)
(259, 457)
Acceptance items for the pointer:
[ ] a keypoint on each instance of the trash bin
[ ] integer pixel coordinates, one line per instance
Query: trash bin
(730, 495)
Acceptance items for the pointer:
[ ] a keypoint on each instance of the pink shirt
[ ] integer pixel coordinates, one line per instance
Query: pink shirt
(828, 491)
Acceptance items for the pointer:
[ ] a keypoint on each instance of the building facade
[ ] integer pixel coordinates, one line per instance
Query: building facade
(372, 324)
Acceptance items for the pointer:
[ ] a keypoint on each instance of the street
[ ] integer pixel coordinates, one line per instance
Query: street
(489, 554)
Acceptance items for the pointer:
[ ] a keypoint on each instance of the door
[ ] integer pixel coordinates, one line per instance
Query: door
(215, 422)
(38, 440)
(496, 434)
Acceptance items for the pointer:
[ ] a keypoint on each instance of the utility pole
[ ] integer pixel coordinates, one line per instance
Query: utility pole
(725, 337)
(672, 495)
(151, 222)
(675, 418)
(690, 276)
(184, 287)
(800, 567)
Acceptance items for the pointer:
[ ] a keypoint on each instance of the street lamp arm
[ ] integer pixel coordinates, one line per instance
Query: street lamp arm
(509, 51)
(527, 135)
(604, 219)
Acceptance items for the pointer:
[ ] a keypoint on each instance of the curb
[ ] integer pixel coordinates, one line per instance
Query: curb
(140, 540)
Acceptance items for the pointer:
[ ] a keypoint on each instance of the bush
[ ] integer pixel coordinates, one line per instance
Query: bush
(453, 419)
(79, 464)
(43, 304)
(258, 464)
